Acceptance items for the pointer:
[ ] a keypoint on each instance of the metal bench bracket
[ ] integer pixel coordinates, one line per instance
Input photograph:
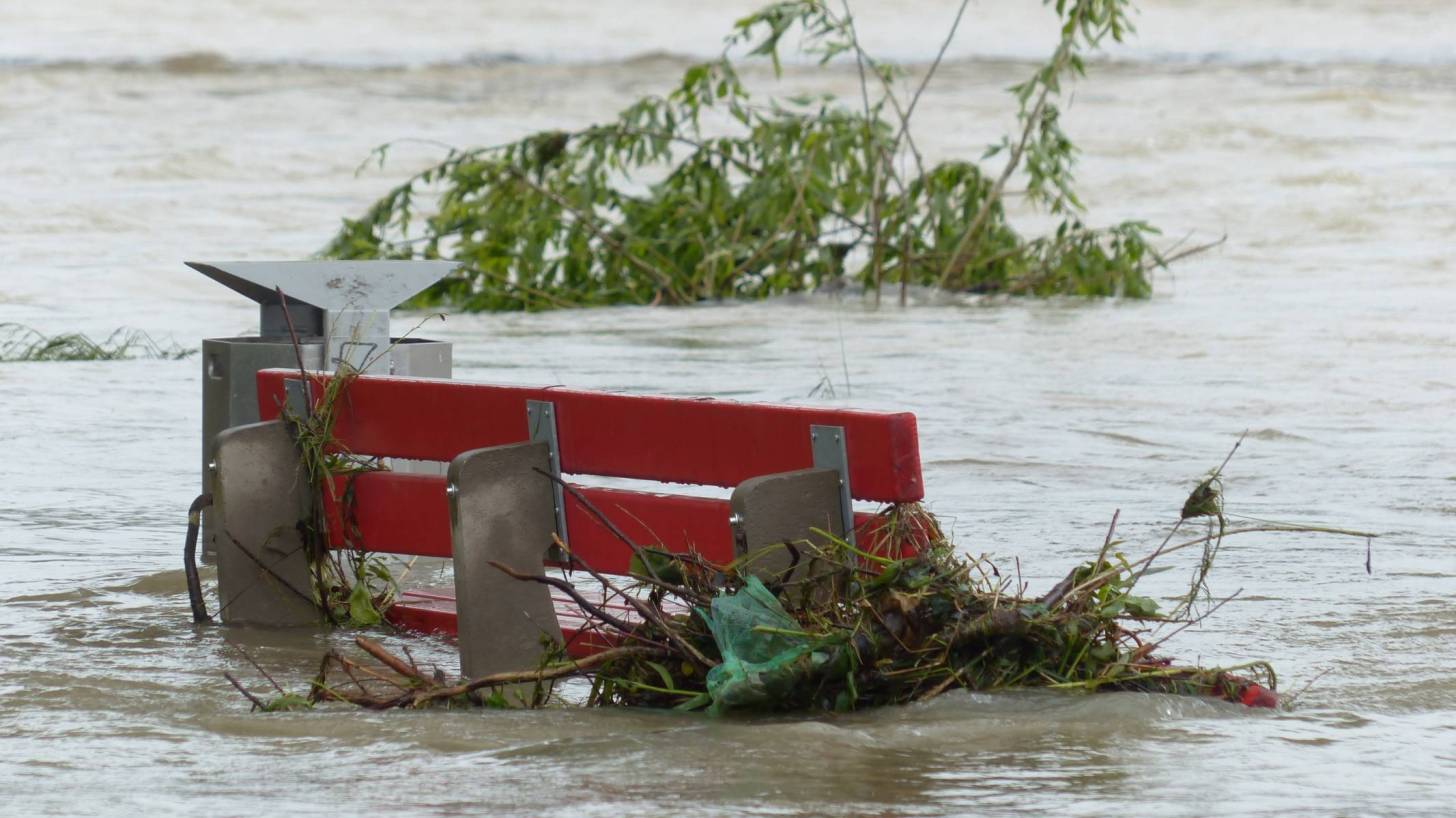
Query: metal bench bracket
(541, 426)
(296, 397)
(829, 453)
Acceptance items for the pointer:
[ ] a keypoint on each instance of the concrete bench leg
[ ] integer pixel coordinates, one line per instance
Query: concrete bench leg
(502, 510)
(260, 497)
(784, 507)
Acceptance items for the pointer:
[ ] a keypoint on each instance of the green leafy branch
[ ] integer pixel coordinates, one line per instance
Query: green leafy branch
(706, 192)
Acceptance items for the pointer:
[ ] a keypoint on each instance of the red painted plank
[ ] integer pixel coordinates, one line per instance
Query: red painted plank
(424, 616)
(432, 612)
(408, 514)
(672, 522)
(681, 440)
(391, 513)
(426, 612)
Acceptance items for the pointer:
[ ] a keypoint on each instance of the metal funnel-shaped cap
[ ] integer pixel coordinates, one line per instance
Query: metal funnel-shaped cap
(328, 285)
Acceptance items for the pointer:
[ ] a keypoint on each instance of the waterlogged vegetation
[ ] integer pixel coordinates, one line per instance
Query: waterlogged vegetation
(350, 586)
(21, 343)
(711, 192)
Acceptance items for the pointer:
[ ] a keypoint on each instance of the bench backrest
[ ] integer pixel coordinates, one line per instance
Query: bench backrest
(670, 440)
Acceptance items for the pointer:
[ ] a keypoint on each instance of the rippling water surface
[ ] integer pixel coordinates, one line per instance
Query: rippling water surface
(1317, 136)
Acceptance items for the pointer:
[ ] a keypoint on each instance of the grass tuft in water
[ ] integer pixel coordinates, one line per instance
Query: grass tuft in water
(20, 343)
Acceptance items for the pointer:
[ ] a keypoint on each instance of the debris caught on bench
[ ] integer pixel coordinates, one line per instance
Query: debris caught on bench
(893, 614)
(845, 629)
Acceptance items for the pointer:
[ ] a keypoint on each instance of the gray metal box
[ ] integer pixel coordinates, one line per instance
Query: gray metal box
(339, 311)
(230, 385)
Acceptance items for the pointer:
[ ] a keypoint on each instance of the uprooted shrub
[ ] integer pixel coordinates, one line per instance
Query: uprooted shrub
(710, 192)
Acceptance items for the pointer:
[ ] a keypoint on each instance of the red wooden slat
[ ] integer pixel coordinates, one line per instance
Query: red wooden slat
(423, 615)
(392, 513)
(408, 514)
(680, 440)
(427, 617)
(673, 522)
(426, 612)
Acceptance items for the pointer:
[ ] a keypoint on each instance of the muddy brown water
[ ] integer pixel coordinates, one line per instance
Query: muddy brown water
(1317, 136)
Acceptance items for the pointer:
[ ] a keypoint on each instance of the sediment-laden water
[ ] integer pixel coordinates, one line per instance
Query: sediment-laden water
(1317, 136)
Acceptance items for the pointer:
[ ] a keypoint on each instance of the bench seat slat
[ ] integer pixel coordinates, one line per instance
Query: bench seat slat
(679, 440)
(427, 612)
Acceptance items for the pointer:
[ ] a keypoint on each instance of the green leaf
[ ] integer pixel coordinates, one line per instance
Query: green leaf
(1141, 607)
(661, 673)
(287, 703)
(362, 612)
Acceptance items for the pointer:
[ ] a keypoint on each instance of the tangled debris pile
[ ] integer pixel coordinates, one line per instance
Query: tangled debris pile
(831, 627)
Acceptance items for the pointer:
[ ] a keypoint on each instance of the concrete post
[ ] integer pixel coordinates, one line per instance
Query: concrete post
(776, 508)
(260, 497)
(502, 510)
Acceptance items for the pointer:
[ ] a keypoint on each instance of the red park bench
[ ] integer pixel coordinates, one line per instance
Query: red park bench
(792, 469)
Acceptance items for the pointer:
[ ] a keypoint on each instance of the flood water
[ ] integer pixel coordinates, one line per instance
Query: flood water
(1320, 137)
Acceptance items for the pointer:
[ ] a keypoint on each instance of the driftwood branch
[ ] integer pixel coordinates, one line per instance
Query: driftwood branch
(393, 662)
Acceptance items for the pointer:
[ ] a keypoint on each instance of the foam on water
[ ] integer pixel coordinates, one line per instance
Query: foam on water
(208, 36)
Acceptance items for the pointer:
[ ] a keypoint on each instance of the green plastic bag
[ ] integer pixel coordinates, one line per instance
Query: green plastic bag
(758, 666)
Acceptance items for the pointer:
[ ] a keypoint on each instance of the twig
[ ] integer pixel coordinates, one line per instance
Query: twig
(1206, 614)
(1013, 160)
(349, 670)
(1166, 260)
(638, 551)
(350, 666)
(901, 113)
(316, 687)
(646, 612)
(1214, 476)
(297, 347)
(1107, 541)
(1291, 698)
(925, 80)
(1059, 590)
(378, 652)
(570, 590)
(258, 667)
(1098, 579)
(544, 674)
(872, 160)
(944, 685)
(257, 704)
